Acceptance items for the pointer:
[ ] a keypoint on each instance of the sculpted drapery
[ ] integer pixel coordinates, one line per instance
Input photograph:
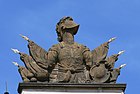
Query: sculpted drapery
(68, 61)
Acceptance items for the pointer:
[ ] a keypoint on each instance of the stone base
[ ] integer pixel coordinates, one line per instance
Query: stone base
(67, 88)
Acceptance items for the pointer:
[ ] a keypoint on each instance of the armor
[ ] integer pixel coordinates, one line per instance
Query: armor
(72, 61)
(68, 61)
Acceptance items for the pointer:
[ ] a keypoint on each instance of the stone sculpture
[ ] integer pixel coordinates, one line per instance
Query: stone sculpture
(68, 61)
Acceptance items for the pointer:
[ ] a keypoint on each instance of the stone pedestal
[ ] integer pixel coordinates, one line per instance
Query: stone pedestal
(67, 88)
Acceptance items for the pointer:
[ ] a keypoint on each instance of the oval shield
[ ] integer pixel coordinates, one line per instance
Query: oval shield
(99, 73)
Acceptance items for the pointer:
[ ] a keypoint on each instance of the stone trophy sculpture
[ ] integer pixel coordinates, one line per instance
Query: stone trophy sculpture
(68, 61)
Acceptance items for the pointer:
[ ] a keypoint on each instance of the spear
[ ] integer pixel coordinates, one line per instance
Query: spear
(121, 52)
(16, 64)
(25, 37)
(112, 39)
(121, 66)
(15, 51)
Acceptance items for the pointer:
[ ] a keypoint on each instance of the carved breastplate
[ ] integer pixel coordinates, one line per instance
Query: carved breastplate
(70, 56)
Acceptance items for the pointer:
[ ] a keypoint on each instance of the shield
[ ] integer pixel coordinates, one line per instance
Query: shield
(99, 73)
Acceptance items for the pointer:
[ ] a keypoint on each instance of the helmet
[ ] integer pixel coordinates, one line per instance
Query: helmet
(64, 25)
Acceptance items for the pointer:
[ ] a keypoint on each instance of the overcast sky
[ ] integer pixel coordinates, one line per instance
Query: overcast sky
(99, 21)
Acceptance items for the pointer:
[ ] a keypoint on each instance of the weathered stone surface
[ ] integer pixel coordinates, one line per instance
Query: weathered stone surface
(68, 61)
